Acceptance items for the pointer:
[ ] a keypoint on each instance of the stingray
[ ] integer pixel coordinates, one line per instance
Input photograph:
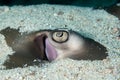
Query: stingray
(50, 45)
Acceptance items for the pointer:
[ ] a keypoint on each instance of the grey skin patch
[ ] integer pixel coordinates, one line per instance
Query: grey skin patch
(93, 50)
(25, 52)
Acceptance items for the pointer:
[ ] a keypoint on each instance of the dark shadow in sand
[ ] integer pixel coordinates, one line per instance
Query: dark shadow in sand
(114, 10)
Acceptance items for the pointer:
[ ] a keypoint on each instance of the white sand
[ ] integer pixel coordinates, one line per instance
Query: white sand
(95, 24)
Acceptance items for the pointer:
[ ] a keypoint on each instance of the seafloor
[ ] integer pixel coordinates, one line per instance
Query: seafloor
(95, 24)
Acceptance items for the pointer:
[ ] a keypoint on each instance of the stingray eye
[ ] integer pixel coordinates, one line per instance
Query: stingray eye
(60, 36)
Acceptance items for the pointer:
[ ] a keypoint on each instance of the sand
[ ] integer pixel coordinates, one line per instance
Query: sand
(95, 24)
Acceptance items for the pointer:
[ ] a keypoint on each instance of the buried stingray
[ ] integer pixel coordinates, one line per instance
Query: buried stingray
(50, 45)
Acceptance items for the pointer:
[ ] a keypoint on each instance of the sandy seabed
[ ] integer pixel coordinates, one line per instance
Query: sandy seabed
(95, 24)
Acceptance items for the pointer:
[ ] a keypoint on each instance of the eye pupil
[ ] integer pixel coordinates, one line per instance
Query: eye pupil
(59, 34)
